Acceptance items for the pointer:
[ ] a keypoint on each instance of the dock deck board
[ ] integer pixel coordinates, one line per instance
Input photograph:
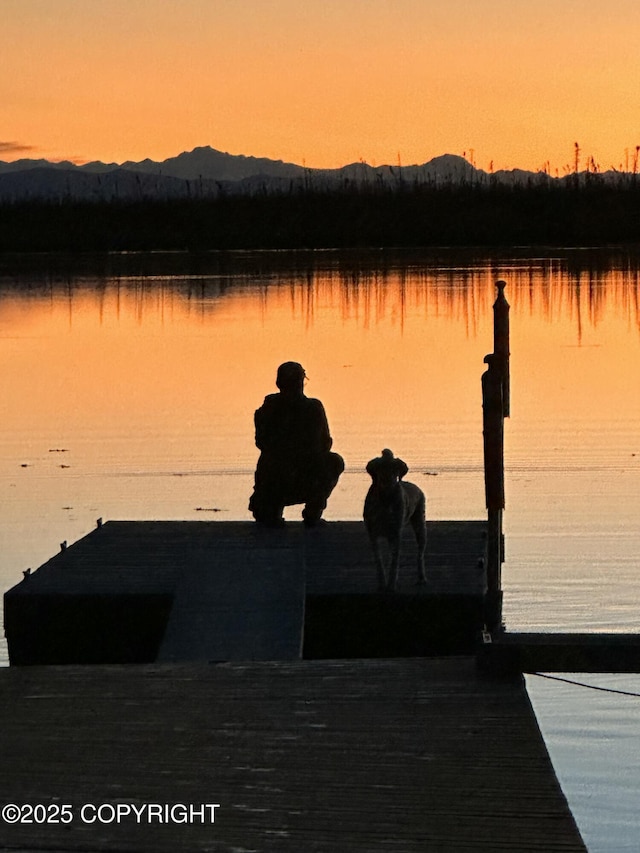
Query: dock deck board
(339, 559)
(322, 756)
(132, 557)
(130, 592)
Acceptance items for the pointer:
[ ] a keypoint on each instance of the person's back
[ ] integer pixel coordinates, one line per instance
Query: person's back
(292, 424)
(295, 464)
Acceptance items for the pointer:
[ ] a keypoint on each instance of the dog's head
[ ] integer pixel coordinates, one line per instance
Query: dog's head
(386, 470)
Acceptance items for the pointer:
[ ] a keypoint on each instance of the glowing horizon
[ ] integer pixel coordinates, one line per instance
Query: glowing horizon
(506, 83)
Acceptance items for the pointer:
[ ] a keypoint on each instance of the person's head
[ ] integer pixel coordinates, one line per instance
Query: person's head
(290, 377)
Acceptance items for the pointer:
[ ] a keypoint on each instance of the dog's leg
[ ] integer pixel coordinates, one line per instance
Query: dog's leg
(418, 522)
(394, 546)
(380, 570)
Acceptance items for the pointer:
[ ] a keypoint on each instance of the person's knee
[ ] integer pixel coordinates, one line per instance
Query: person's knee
(337, 463)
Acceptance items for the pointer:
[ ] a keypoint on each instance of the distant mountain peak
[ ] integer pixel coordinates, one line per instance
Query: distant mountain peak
(204, 172)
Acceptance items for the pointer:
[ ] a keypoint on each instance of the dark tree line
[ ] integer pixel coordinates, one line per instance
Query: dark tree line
(554, 214)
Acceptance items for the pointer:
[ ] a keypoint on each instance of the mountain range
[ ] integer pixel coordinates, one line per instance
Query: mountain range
(206, 172)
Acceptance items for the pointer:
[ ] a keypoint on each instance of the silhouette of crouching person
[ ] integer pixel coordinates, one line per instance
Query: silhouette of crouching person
(296, 464)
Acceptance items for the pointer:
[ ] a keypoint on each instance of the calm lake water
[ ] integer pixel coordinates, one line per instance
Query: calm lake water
(129, 385)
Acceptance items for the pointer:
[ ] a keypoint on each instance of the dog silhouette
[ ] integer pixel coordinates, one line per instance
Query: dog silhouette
(389, 505)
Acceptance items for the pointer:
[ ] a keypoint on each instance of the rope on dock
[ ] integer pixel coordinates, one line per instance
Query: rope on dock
(582, 684)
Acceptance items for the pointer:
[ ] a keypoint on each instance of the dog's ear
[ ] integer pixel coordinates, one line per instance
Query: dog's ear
(401, 468)
(372, 464)
(377, 464)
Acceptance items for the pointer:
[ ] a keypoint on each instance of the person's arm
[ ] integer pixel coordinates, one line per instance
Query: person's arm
(261, 421)
(323, 438)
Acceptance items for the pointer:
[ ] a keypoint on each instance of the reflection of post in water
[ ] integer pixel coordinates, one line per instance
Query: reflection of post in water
(501, 342)
(495, 407)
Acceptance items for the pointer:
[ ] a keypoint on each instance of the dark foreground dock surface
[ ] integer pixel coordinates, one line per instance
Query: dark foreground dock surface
(333, 756)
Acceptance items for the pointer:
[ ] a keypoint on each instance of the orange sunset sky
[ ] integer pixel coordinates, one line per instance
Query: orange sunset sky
(512, 83)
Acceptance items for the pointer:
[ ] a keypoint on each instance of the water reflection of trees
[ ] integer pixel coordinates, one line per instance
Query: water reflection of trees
(362, 287)
(547, 288)
(581, 296)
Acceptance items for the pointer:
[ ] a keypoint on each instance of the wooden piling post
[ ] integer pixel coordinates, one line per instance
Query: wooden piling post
(493, 435)
(495, 407)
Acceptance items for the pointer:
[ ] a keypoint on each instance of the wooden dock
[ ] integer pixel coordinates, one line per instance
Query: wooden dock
(321, 756)
(511, 652)
(134, 592)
